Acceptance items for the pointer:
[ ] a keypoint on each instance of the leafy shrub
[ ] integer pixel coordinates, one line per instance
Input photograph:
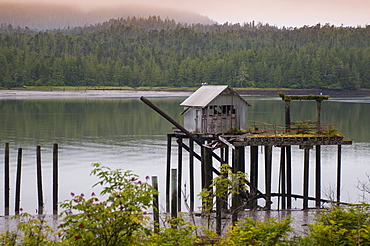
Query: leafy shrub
(177, 232)
(118, 220)
(250, 232)
(31, 230)
(339, 225)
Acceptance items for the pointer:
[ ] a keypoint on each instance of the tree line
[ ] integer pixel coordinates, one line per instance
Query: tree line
(155, 52)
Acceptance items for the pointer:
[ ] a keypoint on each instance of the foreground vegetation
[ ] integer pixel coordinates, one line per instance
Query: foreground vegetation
(120, 219)
(153, 52)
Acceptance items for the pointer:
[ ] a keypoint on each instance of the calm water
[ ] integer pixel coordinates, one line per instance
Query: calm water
(125, 133)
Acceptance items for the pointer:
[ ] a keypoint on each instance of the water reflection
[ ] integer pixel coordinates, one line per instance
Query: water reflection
(127, 134)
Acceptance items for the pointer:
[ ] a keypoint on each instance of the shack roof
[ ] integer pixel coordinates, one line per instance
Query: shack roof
(206, 94)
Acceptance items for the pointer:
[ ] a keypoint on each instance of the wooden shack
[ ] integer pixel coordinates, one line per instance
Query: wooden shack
(215, 109)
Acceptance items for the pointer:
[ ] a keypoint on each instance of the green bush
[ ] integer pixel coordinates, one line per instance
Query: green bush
(340, 225)
(31, 230)
(251, 232)
(118, 220)
(177, 232)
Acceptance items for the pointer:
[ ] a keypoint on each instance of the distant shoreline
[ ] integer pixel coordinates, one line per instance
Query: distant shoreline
(331, 93)
(160, 92)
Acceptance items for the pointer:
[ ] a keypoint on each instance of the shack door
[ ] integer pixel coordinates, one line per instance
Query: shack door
(198, 120)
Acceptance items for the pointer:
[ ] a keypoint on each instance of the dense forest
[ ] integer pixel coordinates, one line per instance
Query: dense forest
(155, 52)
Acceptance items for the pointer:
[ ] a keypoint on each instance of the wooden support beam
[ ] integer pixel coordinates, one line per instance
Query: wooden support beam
(18, 182)
(287, 115)
(306, 177)
(253, 174)
(318, 116)
(268, 176)
(155, 205)
(207, 167)
(174, 193)
(168, 175)
(187, 148)
(339, 171)
(39, 181)
(191, 173)
(282, 176)
(179, 172)
(6, 180)
(318, 177)
(288, 151)
(55, 178)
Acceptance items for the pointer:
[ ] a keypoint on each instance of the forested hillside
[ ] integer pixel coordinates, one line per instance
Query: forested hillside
(154, 52)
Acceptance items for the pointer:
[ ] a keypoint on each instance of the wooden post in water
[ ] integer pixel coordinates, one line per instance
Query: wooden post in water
(318, 115)
(238, 165)
(318, 177)
(268, 170)
(191, 173)
(168, 175)
(253, 175)
(179, 169)
(287, 115)
(282, 175)
(55, 178)
(206, 170)
(155, 204)
(6, 180)
(288, 151)
(39, 180)
(174, 193)
(306, 177)
(219, 205)
(18, 182)
(226, 161)
(339, 170)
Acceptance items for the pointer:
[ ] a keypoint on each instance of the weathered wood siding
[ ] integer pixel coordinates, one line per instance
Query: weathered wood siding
(222, 114)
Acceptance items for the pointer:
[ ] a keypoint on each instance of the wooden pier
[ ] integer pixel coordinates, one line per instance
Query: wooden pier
(235, 151)
(233, 146)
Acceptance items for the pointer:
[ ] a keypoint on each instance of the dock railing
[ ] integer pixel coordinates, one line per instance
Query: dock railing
(296, 128)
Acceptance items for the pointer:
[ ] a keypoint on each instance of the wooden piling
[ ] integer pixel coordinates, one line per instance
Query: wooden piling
(191, 174)
(219, 205)
(287, 115)
(55, 178)
(235, 206)
(207, 167)
(179, 172)
(288, 151)
(268, 170)
(168, 173)
(207, 174)
(18, 182)
(155, 204)
(225, 203)
(339, 171)
(318, 177)
(6, 180)
(282, 176)
(174, 193)
(306, 177)
(253, 175)
(39, 181)
(226, 160)
(318, 115)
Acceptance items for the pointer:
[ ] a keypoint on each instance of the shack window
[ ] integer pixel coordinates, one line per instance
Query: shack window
(221, 110)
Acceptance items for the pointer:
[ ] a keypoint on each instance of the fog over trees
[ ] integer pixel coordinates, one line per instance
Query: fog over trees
(41, 16)
(154, 51)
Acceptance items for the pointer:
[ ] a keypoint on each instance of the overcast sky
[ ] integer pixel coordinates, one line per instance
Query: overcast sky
(275, 12)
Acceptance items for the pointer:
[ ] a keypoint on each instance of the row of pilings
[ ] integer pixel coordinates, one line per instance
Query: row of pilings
(238, 163)
(39, 183)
